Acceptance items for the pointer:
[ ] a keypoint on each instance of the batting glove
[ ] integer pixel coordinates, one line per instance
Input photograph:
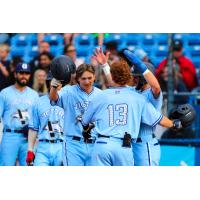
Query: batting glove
(30, 158)
(177, 124)
(55, 83)
(134, 60)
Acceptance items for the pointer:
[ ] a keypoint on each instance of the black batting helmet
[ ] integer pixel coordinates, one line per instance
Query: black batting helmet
(62, 67)
(185, 113)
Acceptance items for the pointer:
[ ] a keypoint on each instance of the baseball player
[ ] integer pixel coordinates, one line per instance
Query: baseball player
(46, 125)
(117, 113)
(74, 100)
(146, 149)
(16, 109)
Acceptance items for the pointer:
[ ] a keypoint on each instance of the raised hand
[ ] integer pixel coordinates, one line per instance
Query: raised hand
(100, 57)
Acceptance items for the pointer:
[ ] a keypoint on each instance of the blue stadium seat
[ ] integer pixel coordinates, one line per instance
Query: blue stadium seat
(83, 51)
(17, 50)
(20, 40)
(84, 44)
(84, 39)
(33, 39)
(117, 37)
(162, 39)
(56, 50)
(195, 50)
(148, 39)
(54, 39)
(196, 62)
(132, 39)
(161, 51)
(194, 39)
(32, 51)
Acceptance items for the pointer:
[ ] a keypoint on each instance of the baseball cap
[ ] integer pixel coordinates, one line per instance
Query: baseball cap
(177, 45)
(23, 67)
(140, 53)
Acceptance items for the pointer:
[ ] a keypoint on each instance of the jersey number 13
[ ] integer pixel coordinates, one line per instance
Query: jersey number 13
(119, 109)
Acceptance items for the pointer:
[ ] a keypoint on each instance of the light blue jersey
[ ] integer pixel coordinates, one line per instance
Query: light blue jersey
(147, 149)
(16, 112)
(48, 122)
(116, 111)
(44, 112)
(157, 104)
(119, 110)
(75, 101)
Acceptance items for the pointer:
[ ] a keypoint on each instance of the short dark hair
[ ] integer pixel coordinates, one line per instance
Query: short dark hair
(111, 45)
(67, 47)
(84, 68)
(49, 55)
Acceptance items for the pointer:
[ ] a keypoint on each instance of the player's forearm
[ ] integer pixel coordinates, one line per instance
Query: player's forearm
(53, 94)
(153, 82)
(106, 71)
(32, 135)
(167, 123)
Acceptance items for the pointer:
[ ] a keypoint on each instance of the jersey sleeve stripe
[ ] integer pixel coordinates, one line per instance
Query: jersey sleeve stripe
(157, 121)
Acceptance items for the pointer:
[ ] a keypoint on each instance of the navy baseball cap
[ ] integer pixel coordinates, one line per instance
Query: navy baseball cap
(23, 67)
(177, 45)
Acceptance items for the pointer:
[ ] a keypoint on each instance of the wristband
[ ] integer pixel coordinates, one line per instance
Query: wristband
(145, 72)
(106, 69)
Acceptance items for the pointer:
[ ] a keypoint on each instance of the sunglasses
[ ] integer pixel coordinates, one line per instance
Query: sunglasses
(73, 50)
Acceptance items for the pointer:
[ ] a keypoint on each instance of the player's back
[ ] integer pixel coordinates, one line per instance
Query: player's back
(119, 110)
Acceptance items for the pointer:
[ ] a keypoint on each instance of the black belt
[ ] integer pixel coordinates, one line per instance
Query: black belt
(105, 136)
(89, 141)
(15, 131)
(51, 141)
(140, 139)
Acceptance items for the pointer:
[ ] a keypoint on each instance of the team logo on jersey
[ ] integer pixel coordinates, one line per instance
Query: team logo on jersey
(55, 126)
(22, 115)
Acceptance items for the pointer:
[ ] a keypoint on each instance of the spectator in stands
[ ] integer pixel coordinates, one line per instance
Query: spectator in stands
(4, 37)
(39, 82)
(69, 37)
(112, 48)
(42, 47)
(45, 59)
(4, 66)
(184, 66)
(179, 85)
(70, 51)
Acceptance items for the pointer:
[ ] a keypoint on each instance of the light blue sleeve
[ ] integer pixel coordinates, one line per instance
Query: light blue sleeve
(2, 105)
(150, 115)
(89, 114)
(63, 94)
(34, 122)
(157, 102)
